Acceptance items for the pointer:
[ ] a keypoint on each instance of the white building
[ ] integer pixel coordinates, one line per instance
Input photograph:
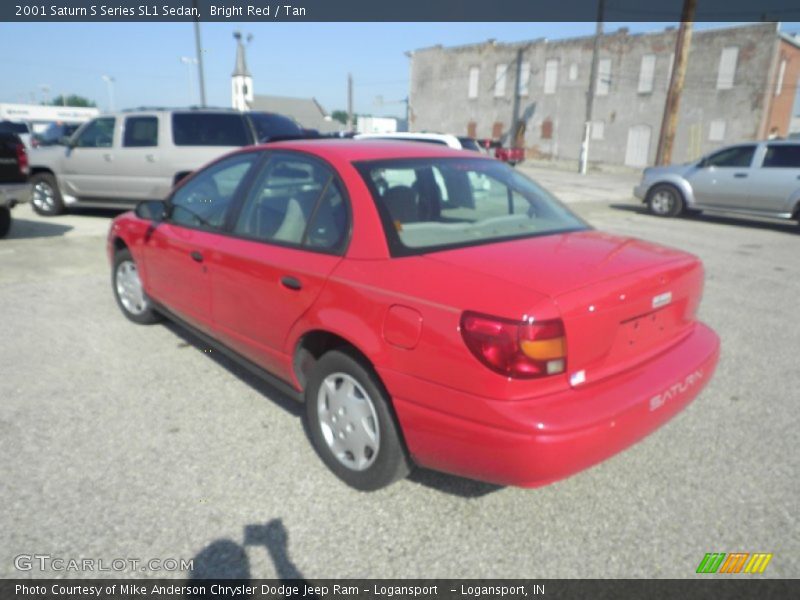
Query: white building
(241, 80)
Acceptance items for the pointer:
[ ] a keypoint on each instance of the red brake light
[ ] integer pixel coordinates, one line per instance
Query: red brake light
(22, 159)
(515, 348)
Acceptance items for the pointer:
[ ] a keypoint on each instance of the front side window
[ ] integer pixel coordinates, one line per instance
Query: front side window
(782, 156)
(97, 134)
(140, 132)
(209, 129)
(435, 204)
(204, 200)
(296, 201)
(738, 156)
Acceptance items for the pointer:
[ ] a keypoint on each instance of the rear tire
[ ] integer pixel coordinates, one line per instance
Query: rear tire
(665, 200)
(5, 220)
(351, 423)
(46, 197)
(128, 291)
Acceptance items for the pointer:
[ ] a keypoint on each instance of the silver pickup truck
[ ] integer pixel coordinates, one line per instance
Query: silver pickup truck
(14, 186)
(117, 160)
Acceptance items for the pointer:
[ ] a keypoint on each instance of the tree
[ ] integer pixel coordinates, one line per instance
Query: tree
(73, 100)
(339, 115)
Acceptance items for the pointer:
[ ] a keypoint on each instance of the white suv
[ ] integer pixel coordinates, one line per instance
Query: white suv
(118, 160)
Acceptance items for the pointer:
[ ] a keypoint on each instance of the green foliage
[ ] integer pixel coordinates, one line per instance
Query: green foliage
(73, 100)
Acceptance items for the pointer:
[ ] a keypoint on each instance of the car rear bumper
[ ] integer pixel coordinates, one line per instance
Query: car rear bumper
(14, 193)
(567, 432)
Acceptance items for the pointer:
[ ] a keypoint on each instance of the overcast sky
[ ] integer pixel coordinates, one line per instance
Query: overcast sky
(289, 59)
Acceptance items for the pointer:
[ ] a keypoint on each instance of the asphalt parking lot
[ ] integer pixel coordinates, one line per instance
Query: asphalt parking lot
(122, 441)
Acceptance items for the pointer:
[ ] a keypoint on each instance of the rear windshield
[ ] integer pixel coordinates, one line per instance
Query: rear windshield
(269, 126)
(209, 129)
(469, 144)
(9, 127)
(436, 204)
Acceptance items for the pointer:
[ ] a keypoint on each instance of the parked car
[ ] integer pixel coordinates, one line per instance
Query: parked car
(510, 155)
(422, 318)
(755, 178)
(22, 129)
(14, 186)
(57, 133)
(117, 160)
(442, 139)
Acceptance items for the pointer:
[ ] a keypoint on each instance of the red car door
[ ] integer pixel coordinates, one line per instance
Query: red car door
(178, 252)
(287, 238)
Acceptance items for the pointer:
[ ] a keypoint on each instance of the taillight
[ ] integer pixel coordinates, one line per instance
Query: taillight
(516, 349)
(22, 159)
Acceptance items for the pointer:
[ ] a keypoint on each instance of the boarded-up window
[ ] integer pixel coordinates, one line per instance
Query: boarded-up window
(474, 79)
(472, 128)
(727, 68)
(573, 71)
(524, 78)
(646, 72)
(603, 77)
(598, 130)
(547, 129)
(669, 68)
(497, 130)
(550, 76)
(716, 131)
(500, 80)
(781, 74)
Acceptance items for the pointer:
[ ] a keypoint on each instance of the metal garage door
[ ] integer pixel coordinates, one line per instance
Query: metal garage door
(638, 148)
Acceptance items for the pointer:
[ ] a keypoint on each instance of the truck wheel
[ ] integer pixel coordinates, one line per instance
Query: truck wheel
(351, 423)
(46, 197)
(665, 200)
(5, 220)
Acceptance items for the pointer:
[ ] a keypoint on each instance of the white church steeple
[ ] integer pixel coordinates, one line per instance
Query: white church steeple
(241, 80)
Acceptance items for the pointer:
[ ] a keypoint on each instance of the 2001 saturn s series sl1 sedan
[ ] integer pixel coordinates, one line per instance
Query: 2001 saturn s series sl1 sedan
(431, 307)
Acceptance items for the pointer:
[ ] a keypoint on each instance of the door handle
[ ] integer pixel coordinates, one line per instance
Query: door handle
(108, 157)
(150, 158)
(196, 256)
(291, 283)
(740, 175)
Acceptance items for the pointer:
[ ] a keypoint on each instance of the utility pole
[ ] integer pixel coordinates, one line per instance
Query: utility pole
(669, 123)
(587, 126)
(349, 102)
(512, 142)
(199, 49)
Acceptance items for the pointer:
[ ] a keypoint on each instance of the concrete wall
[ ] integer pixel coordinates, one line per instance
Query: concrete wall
(440, 79)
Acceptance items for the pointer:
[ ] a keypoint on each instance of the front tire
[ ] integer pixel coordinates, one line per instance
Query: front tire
(5, 220)
(351, 423)
(46, 197)
(665, 200)
(128, 291)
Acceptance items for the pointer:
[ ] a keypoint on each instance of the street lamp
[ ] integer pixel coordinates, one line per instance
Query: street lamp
(45, 93)
(190, 62)
(110, 82)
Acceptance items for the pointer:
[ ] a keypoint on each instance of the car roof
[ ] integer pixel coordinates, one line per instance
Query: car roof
(370, 149)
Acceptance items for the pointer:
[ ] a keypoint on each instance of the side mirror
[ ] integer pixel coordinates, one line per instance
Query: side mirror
(64, 140)
(151, 210)
(703, 163)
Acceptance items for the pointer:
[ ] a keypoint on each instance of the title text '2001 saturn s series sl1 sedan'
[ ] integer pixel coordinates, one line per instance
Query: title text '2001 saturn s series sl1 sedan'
(430, 306)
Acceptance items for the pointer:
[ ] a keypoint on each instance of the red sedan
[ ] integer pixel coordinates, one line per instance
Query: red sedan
(430, 307)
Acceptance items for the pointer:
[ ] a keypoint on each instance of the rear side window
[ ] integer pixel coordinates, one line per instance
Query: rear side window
(10, 127)
(738, 156)
(209, 129)
(469, 144)
(140, 132)
(295, 201)
(782, 156)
